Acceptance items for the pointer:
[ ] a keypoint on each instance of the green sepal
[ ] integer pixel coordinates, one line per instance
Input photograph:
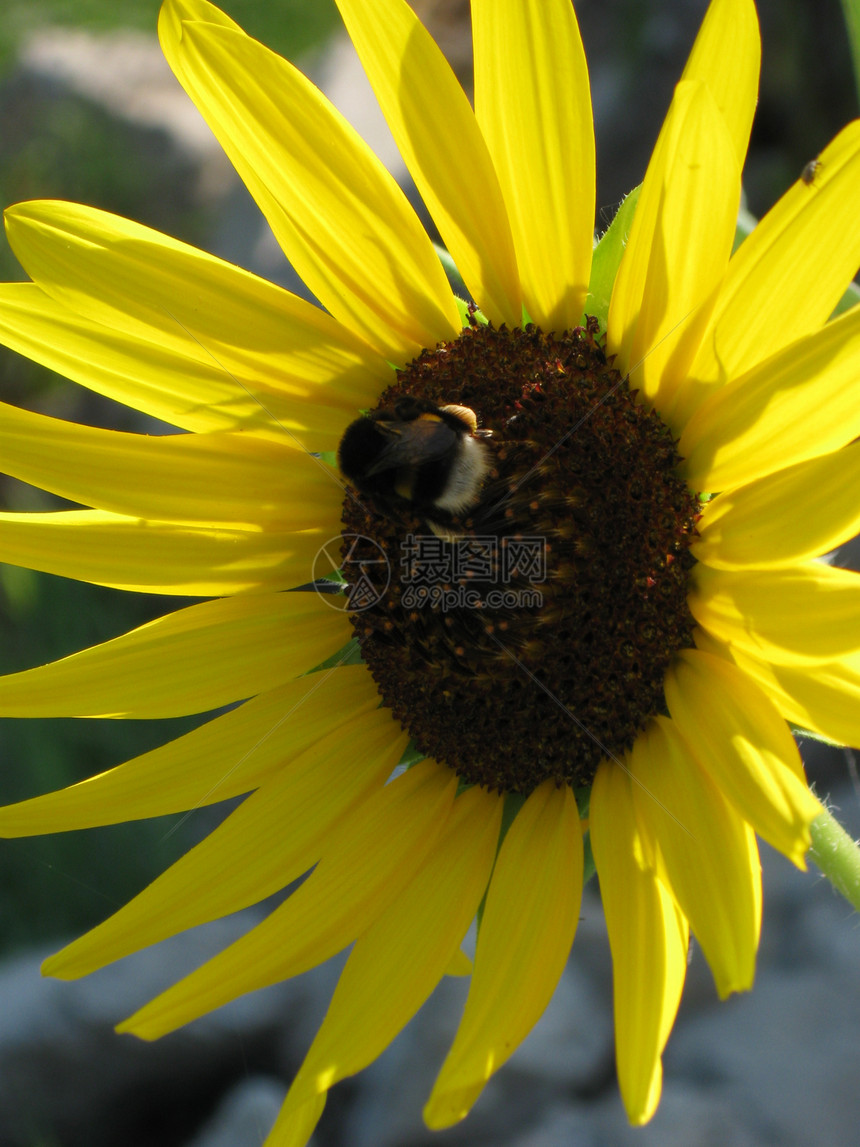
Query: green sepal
(468, 312)
(850, 299)
(450, 268)
(583, 800)
(589, 868)
(606, 259)
(412, 756)
(513, 803)
(349, 654)
(810, 735)
(583, 803)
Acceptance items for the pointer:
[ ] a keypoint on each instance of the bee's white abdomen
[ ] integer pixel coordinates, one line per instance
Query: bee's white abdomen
(464, 483)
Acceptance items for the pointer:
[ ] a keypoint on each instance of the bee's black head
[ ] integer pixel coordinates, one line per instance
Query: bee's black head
(363, 445)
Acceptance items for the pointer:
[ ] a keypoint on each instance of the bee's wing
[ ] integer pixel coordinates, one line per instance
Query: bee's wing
(413, 443)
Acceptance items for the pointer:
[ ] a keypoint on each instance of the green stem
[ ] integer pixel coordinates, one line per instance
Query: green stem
(851, 11)
(837, 855)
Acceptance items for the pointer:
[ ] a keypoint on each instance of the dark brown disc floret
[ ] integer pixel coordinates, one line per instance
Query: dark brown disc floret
(528, 638)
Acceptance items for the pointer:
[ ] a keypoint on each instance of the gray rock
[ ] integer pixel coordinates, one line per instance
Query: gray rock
(782, 1059)
(572, 1043)
(66, 1076)
(310, 994)
(561, 1126)
(570, 1048)
(245, 1115)
(393, 1089)
(125, 73)
(687, 1117)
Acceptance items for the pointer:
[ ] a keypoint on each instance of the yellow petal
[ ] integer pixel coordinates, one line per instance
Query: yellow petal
(726, 56)
(200, 10)
(826, 701)
(745, 746)
(252, 342)
(339, 216)
(531, 87)
(799, 404)
(171, 383)
(459, 965)
(157, 557)
(749, 526)
(679, 245)
(435, 130)
(707, 852)
(524, 941)
(294, 1126)
(822, 698)
(397, 962)
(794, 616)
(276, 834)
(648, 937)
(191, 661)
(373, 856)
(809, 236)
(223, 758)
(220, 477)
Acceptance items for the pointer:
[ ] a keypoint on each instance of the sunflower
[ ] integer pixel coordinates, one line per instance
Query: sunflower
(673, 427)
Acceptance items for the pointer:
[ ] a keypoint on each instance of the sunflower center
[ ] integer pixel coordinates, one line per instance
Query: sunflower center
(527, 637)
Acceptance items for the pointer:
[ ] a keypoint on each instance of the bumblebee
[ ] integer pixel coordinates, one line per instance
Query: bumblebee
(415, 454)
